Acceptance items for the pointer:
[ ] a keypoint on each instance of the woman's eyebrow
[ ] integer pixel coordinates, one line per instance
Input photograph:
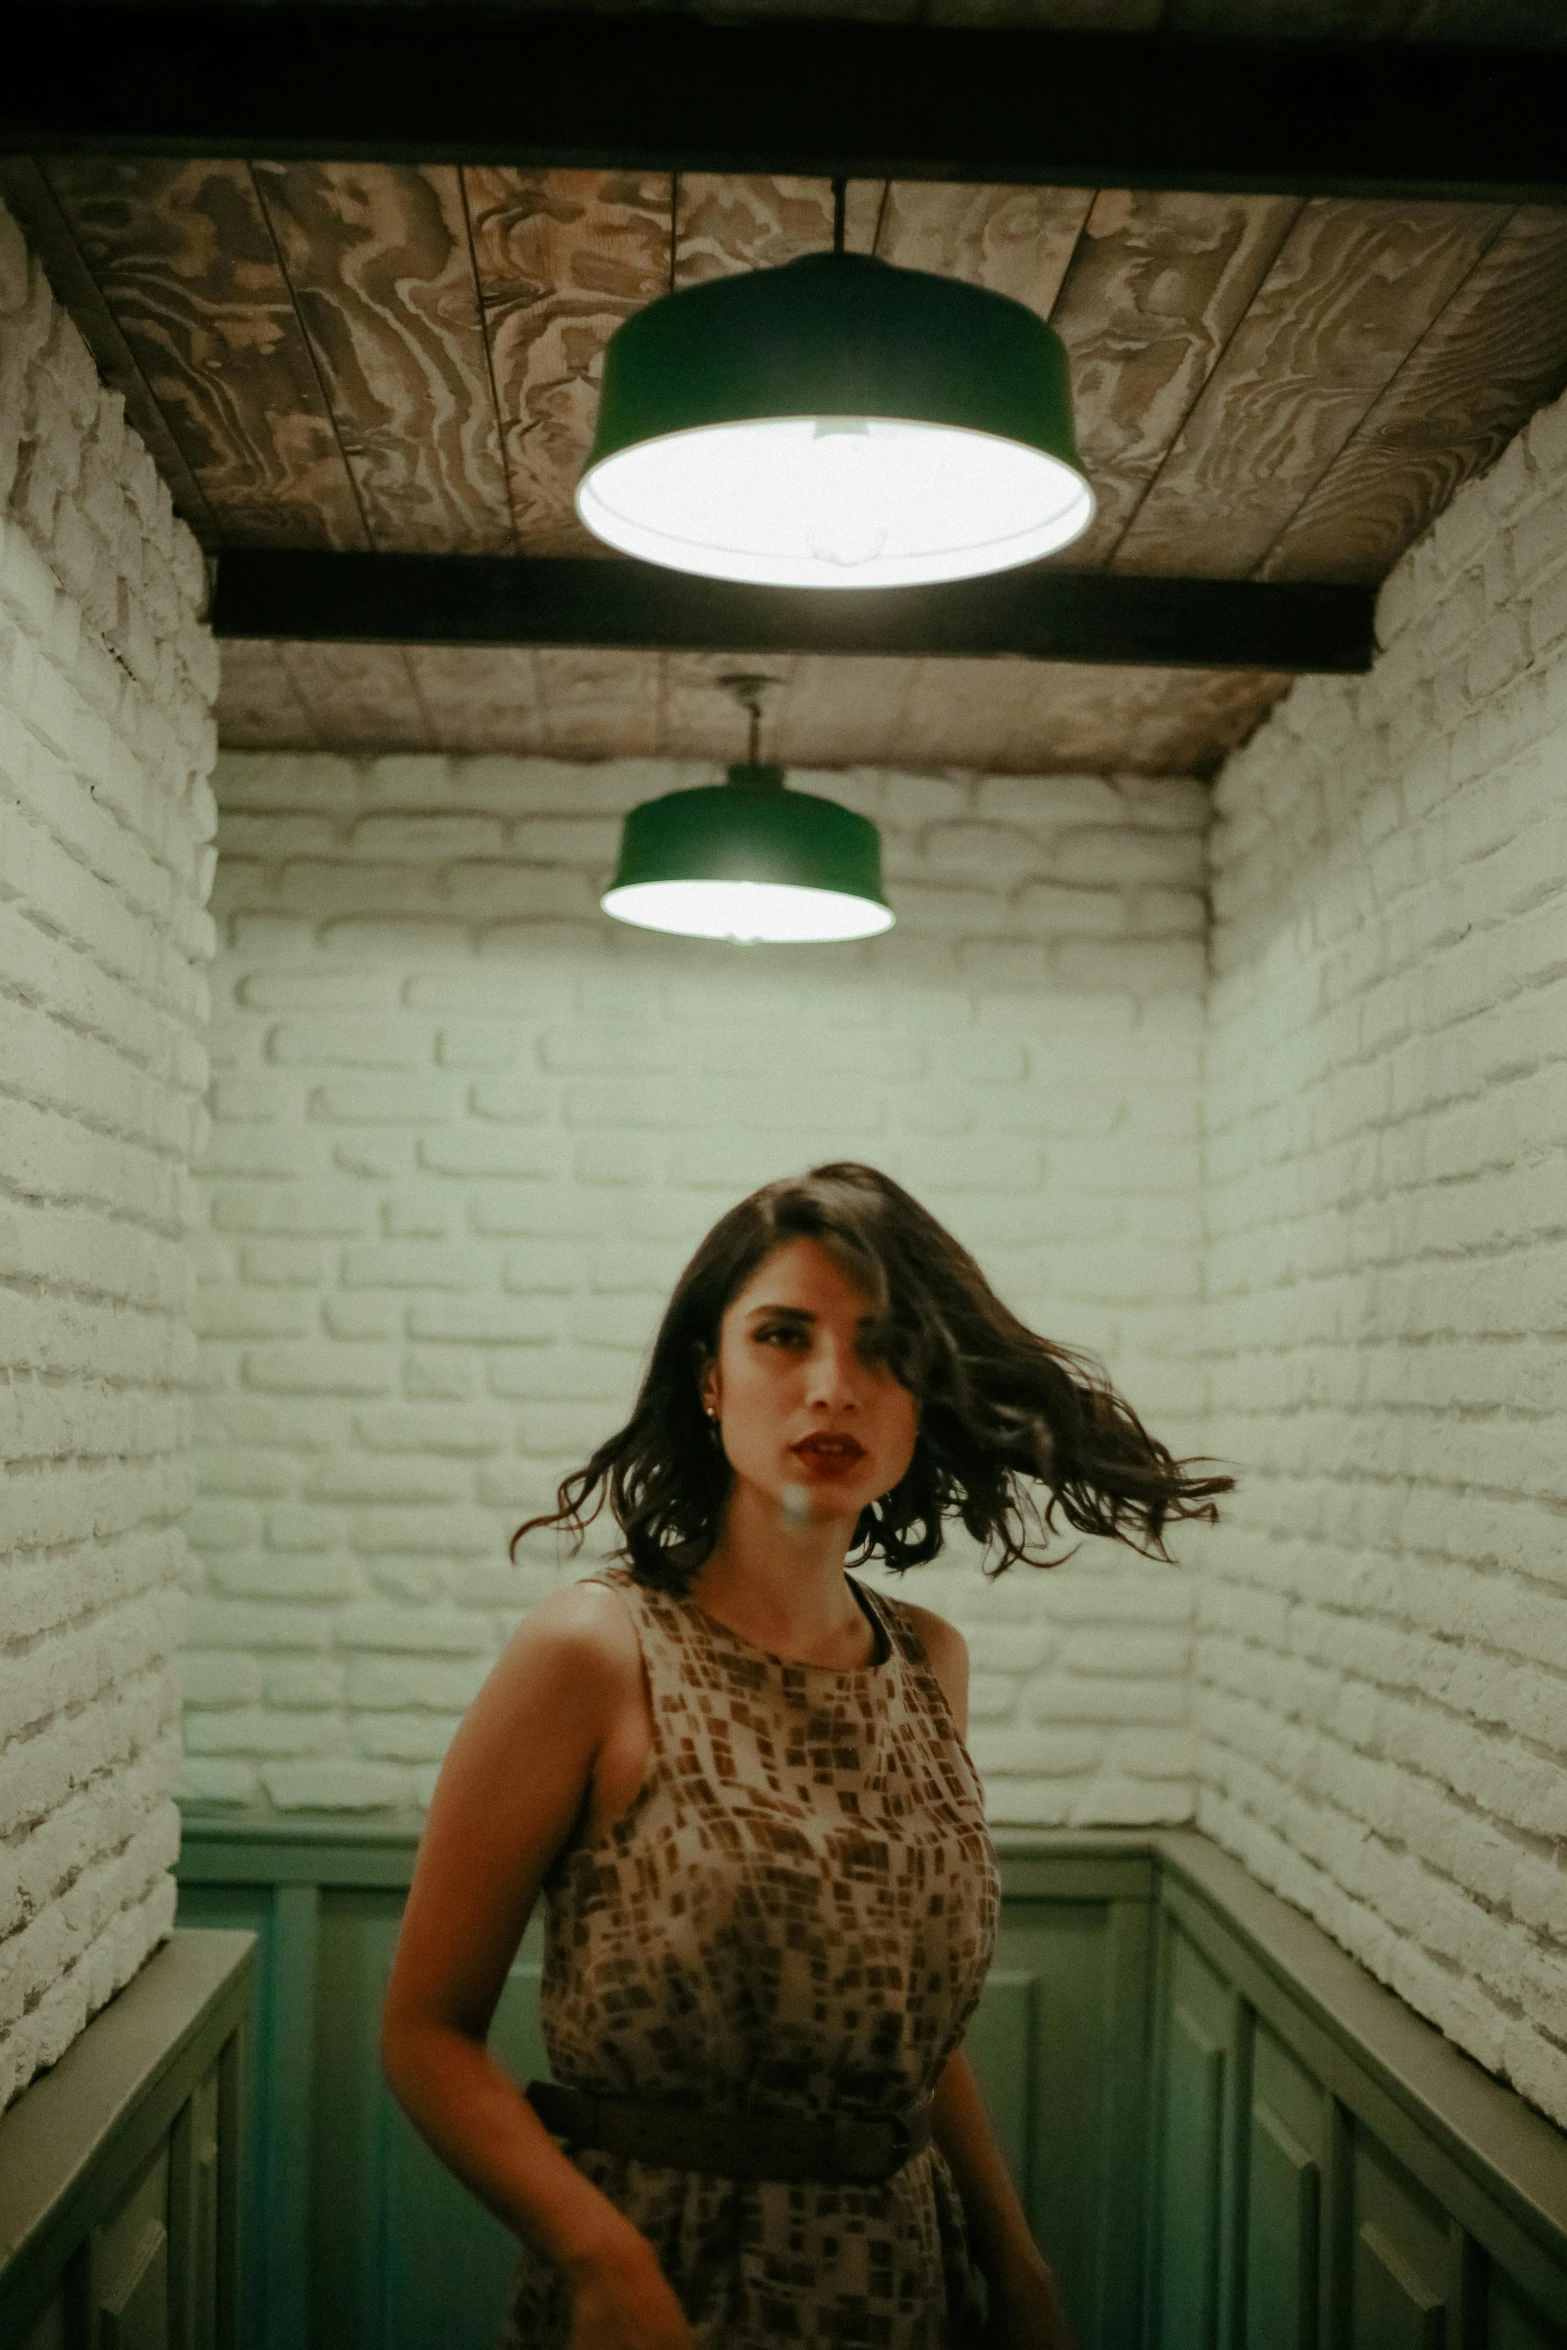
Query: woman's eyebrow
(802, 1314)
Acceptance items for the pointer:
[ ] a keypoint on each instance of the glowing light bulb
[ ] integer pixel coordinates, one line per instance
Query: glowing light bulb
(844, 492)
(834, 502)
(748, 913)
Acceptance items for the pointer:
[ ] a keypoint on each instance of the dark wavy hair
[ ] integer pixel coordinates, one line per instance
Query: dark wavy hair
(1013, 1430)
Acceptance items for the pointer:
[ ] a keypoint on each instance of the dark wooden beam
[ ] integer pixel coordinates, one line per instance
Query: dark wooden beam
(1042, 615)
(671, 91)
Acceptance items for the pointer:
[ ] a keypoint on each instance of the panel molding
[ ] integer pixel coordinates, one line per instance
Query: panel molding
(1496, 2165)
(1190, 2270)
(1425, 2307)
(1302, 2175)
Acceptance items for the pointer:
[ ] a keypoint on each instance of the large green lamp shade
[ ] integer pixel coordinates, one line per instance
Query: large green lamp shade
(749, 861)
(838, 422)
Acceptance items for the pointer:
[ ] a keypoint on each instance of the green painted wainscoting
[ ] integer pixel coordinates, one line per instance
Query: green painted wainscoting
(121, 2166)
(1326, 2172)
(1226, 2135)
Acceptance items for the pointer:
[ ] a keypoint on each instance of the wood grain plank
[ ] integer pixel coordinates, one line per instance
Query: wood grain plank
(358, 697)
(257, 707)
(378, 261)
(1016, 241)
(1497, 352)
(1354, 288)
(839, 712)
(184, 259)
(1064, 718)
(34, 206)
(725, 224)
(961, 713)
(562, 257)
(599, 705)
(480, 698)
(1156, 287)
(1002, 717)
(1075, 722)
(1071, 720)
(1198, 718)
(699, 720)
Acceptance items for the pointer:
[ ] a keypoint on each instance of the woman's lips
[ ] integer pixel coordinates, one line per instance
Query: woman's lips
(829, 1456)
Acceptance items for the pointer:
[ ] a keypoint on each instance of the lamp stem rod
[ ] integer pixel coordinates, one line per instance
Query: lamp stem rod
(840, 199)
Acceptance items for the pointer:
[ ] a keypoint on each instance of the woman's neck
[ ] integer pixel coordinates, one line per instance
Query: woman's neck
(777, 1580)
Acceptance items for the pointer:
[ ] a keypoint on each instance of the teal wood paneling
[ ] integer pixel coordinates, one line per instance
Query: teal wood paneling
(1404, 2276)
(120, 2196)
(1283, 2200)
(402, 2257)
(1315, 2187)
(280, 2062)
(1197, 2055)
(1058, 2049)
(1003, 2048)
(1511, 2324)
(449, 2262)
(1226, 2137)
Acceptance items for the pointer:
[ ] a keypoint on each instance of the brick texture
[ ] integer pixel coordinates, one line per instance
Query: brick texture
(106, 823)
(466, 1131)
(1381, 1661)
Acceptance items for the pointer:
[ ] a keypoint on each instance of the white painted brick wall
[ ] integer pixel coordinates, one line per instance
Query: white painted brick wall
(1382, 1654)
(466, 1131)
(106, 820)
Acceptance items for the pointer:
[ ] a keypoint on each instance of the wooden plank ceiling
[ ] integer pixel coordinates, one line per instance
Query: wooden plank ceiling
(386, 357)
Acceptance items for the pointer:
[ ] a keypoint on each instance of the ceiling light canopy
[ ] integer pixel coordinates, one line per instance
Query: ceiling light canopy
(838, 422)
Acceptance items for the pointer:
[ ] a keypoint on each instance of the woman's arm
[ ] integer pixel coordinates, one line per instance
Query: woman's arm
(509, 1795)
(1025, 2305)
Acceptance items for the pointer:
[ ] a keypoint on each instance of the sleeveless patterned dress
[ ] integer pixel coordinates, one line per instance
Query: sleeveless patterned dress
(798, 1910)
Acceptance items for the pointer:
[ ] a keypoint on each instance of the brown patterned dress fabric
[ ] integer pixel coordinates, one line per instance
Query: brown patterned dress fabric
(798, 1910)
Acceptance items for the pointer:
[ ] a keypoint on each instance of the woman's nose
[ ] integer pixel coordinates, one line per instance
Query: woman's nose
(832, 1381)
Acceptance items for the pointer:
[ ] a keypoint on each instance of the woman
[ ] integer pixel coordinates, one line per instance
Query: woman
(739, 1781)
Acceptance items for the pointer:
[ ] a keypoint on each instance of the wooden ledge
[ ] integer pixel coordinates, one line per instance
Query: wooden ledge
(77, 2133)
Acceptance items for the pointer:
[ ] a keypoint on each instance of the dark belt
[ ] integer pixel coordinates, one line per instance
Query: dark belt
(850, 2150)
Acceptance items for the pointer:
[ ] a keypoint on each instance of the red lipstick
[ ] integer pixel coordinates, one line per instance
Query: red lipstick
(828, 1456)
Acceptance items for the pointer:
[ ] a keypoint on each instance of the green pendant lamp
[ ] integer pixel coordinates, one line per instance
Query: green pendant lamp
(837, 422)
(749, 860)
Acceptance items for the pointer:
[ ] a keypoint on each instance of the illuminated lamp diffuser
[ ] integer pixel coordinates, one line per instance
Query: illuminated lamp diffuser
(838, 422)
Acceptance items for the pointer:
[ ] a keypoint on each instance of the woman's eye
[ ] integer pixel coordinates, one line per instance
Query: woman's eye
(781, 1334)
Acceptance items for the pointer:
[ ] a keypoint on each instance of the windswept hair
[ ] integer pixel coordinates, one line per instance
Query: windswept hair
(1014, 1431)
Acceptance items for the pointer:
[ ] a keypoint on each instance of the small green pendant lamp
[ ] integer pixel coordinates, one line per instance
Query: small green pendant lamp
(750, 860)
(837, 422)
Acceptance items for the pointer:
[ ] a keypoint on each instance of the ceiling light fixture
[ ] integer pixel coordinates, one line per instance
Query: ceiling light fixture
(837, 422)
(749, 860)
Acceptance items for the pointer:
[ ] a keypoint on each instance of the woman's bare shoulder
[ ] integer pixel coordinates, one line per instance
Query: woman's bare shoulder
(583, 1624)
(571, 1662)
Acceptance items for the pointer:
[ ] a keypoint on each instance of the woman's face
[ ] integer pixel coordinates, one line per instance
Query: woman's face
(806, 1418)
